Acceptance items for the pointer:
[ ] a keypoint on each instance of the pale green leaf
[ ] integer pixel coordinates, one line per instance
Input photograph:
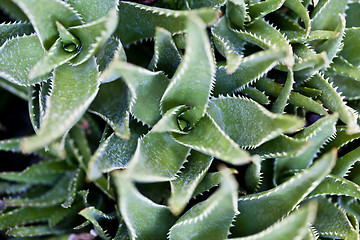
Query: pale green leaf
(94, 216)
(344, 163)
(325, 15)
(280, 103)
(9, 30)
(351, 44)
(94, 9)
(32, 231)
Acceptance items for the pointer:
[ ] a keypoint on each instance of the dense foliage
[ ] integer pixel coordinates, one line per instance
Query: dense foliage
(182, 119)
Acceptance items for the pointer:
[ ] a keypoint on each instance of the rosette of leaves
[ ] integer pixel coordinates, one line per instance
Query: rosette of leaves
(221, 119)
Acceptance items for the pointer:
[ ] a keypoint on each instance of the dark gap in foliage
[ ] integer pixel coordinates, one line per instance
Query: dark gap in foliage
(157, 192)
(146, 48)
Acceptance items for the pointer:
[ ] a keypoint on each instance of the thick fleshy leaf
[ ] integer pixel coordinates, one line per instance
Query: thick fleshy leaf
(45, 24)
(9, 30)
(280, 103)
(94, 215)
(32, 231)
(93, 36)
(166, 55)
(112, 104)
(65, 106)
(111, 50)
(248, 123)
(333, 185)
(347, 86)
(256, 95)
(17, 56)
(113, 153)
(210, 219)
(298, 7)
(140, 82)
(326, 15)
(94, 9)
(236, 13)
(211, 180)
(151, 153)
(342, 66)
(137, 21)
(183, 187)
(260, 9)
(281, 200)
(294, 226)
(342, 138)
(253, 174)
(77, 179)
(15, 89)
(345, 163)
(144, 219)
(170, 122)
(207, 137)
(250, 69)
(351, 43)
(331, 221)
(317, 133)
(334, 102)
(193, 80)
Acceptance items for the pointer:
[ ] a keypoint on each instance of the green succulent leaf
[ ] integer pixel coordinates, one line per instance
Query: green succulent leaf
(150, 153)
(17, 56)
(210, 180)
(94, 216)
(253, 174)
(112, 104)
(331, 221)
(236, 13)
(166, 55)
(74, 186)
(211, 218)
(325, 14)
(248, 123)
(208, 138)
(94, 9)
(144, 219)
(260, 9)
(345, 163)
(45, 24)
(13, 10)
(170, 122)
(194, 77)
(140, 20)
(65, 106)
(31, 231)
(256, 95)
(281, 200)
(351, 43)
(183, 187)
(10, 30)
(140, 82)
(281, 101)
(294, 226)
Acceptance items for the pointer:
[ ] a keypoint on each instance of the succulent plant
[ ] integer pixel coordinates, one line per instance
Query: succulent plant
(182, 119)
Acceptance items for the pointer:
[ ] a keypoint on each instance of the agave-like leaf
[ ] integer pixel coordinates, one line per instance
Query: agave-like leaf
(342, 66)
(45, 24)
(193, 80)
(137, 21)
(144, 219)
(31, 231)
(248, 123)
(281, 101)
(65, 106)
(332, 221)
(256, 95)
(344, 163)
(253, 174)
(94, 215)
(77, 179)
(211, 218)
(207, 137)
(210, 180)
(351, 43)
(260, 9)
(281, 200)
(183, 187)
(294, 226)
(94, 9)
(325, 15)
(9, 30)
(166, 55)
(236, 13)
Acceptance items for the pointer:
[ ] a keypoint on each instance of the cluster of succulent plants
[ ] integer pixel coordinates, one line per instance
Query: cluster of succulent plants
(183, 119)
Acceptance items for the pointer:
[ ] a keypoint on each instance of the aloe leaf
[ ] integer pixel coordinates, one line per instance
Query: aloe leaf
(273, 89)
(210, 180)
(170, 122)
(317, 133)
(61, 214)
(325, 15)
(140, 20)
(194, 77)
(281, 146)
(34, 106)
(331, 221)
(140, 82)
(93, 35)
(280, 103)
(184, 185)
(17, 56)
(77, 179)
(236, 13)
(15, 89)
(294, 226)
(347, 86)
(113, 153)
(150, 153)
(46, 172)
(111, 50)
(334, 102)
(256, 95)
(344, 163)
(334, 185)
(248, 123)
(94, 215)
(44, 24)
(31, 231)
(62, 110)
(305, 66)
(11, 188)
(260, 9)
(166, 55)
(55, 57)
(144, 219)
(342, 66)
(210, 219)
(112, 104)
(298, 7)
(342, 138)
(94, 9)
(280, 200)
(9, 30)
(253, 175)
(205, 3)
(250, 69)
(351, 43)
(207, 137)
(55, 195)
(299, 37)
